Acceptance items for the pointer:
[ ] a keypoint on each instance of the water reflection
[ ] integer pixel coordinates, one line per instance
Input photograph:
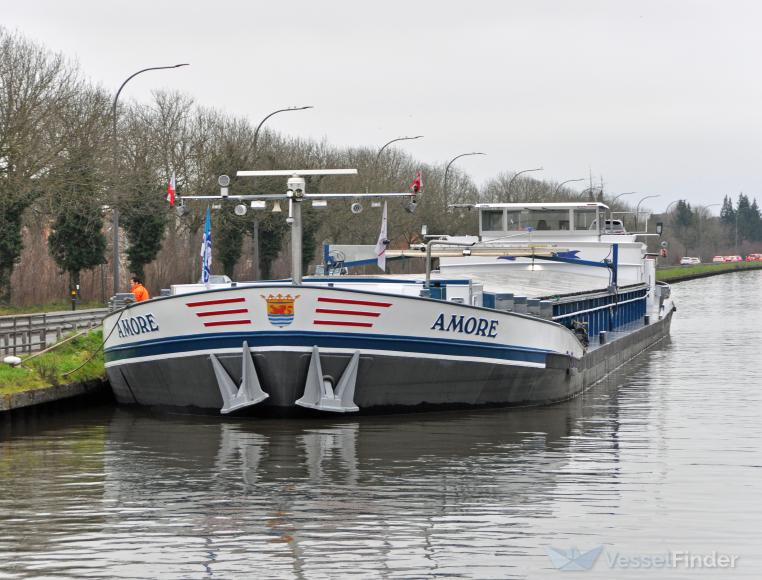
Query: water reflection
(663, 455)
(313, 497)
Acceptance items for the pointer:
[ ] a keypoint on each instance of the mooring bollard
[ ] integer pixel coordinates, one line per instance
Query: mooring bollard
(602, 337)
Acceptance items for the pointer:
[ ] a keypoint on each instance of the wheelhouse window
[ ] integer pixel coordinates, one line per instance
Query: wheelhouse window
(492, 220)
(546, 220)
(513, 219)
(586, 219)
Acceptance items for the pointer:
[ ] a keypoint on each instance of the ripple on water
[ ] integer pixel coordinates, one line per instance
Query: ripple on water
(664, 454)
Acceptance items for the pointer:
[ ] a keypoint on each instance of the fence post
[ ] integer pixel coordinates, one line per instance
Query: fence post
(44, 334)
(29, 334)
(15, 320)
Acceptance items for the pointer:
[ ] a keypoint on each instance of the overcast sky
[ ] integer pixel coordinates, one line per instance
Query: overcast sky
(659, 97)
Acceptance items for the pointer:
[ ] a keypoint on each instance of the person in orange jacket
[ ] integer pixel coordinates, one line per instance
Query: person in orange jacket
(138, 290)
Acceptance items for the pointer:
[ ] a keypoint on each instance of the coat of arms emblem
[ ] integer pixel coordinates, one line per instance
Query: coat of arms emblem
(280, 309)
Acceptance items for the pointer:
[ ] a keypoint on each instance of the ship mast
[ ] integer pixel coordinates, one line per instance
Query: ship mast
(296, 194)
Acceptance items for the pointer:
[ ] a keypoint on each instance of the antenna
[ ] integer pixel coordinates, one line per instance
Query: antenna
(295, 194)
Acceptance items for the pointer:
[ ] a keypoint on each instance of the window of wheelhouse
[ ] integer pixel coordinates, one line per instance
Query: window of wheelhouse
(585, 219)
(513, 220)
(546, 219)
(492, 220)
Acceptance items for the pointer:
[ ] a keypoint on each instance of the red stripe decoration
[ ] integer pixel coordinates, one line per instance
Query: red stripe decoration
(342, 323)
(221, 312)
(357, 302)
(349, 312)
(226, 322)
(213, 302)
(339, 316)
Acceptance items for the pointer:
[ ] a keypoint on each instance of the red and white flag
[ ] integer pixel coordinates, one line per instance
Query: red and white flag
(171, 190)
(417, 184)
(382, 243)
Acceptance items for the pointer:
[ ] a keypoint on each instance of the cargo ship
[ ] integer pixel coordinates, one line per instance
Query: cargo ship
(544, 302)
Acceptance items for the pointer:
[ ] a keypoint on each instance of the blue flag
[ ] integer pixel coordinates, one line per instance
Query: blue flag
(206, 249)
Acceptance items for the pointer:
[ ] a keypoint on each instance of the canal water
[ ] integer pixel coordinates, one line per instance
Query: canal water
(660, 463)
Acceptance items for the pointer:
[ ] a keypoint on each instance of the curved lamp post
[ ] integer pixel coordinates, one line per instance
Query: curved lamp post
(560, 185)
(262, 122)
(515, 175)
(114, 153)
(378, 155)
(591, 188)
(616, 197)
(637, 209)
(447, 169)
(671, 203)
(701, 222)
(255, 151)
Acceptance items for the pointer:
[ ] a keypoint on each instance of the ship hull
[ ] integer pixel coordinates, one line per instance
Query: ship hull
(407, 360)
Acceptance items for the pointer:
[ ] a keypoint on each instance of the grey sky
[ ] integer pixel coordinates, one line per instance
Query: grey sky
(655, 96)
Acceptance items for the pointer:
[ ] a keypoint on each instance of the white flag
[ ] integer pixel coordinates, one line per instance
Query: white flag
(382, 242)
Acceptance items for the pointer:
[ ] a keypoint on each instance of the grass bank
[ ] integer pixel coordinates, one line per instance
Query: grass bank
(47, 370)
(50, 307)
(680, 273)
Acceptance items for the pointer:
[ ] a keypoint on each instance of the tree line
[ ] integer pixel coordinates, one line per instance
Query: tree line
(63, 170)
(695, 232)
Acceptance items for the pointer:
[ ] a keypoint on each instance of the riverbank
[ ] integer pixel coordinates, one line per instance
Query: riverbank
(682, 273)
(44, 378)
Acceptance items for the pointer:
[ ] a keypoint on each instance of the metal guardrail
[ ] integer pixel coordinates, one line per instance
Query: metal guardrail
(26, 333)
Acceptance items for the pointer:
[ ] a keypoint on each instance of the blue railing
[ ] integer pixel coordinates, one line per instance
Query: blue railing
(603, 312)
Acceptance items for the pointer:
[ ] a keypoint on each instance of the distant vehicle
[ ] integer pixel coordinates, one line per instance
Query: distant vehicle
(733, 259)
(754, 258)
(610, 227)
(718, 259)
(689, 261)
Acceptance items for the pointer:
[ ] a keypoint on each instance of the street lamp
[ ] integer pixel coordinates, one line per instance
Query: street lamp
(560, 185)
(262, 122)
(114, 153)
(515, 175)
(590, 189)
(701, 223)
(447, 169)
(616, 197)
(669, 205)
(637, 209)
(378, 155)
(255, 151)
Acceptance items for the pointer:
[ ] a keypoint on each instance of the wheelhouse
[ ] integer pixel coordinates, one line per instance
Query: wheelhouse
(507, 219)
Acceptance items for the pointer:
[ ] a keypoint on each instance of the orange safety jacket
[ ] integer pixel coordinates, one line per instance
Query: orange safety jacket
(140, 293)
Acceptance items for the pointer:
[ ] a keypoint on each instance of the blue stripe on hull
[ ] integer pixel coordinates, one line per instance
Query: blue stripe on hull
(443, 347)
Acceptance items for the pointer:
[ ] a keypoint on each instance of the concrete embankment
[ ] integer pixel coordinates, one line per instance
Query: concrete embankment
(94, 388)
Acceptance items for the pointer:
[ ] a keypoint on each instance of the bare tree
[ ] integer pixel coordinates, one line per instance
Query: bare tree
(36, 86)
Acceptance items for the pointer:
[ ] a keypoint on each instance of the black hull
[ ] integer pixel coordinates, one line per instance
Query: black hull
(384, 383)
